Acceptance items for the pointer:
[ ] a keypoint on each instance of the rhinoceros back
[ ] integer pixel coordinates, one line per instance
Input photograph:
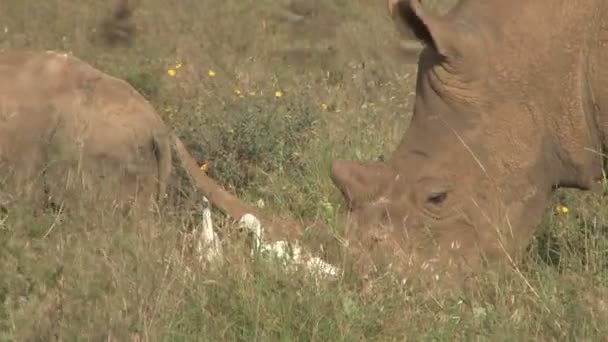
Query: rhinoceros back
(81, 126)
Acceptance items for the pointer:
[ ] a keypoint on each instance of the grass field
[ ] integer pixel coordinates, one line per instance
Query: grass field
(267, 93)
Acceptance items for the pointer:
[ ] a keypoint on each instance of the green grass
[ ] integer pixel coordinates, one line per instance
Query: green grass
(347, 93)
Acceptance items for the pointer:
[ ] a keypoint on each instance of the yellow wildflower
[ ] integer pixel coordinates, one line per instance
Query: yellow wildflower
(204, 167)
(278, 93)
(562, 209)
(171, 72)
(178, 65)
(211, 73)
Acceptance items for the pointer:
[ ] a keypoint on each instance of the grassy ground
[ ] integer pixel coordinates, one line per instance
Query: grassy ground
(267, 92)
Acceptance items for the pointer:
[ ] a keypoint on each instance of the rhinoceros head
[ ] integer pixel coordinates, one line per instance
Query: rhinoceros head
(469, 177)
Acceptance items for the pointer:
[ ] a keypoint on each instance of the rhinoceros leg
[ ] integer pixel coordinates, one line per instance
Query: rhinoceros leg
(22, 166)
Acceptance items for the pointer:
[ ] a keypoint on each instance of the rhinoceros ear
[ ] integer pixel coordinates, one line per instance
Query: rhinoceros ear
(415, 23)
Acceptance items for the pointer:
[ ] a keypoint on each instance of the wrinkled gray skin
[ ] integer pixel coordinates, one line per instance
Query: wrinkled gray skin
(511, 102)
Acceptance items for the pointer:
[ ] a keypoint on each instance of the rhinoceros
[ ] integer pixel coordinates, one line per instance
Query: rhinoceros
(64, 123)
(511, 103)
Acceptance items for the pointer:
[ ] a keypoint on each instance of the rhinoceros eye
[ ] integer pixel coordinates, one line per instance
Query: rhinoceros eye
(437, 198)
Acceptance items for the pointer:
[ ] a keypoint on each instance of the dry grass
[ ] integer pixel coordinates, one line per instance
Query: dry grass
(345, 92)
